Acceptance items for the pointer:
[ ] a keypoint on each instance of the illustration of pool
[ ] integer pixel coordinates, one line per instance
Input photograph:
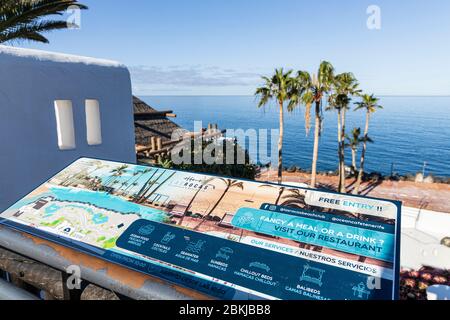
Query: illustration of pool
(84, 198)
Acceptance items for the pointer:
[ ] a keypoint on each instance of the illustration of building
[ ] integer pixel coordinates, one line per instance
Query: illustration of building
(312, 275)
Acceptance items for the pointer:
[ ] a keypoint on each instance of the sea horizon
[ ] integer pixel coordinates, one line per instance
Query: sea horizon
(252, 95)
(396, 149)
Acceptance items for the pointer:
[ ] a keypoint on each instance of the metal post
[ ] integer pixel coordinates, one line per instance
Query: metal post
(153, 143)
(423, 168)
(158, 144)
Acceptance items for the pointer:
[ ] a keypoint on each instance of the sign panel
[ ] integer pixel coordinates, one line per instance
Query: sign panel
(229, 238)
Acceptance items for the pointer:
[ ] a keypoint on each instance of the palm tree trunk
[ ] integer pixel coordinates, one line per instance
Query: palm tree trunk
(363, 154)
(135, 182)
(339, 149)
(280, 144)
(354, 159)
(128, 181)
(150, 186)
(121, 185)
(110, 182)
(189, 205)
(316, 145)
(131, 184)
(157, 188)
(279, 195)
(213, 208)
(141, 191)
(342, 150)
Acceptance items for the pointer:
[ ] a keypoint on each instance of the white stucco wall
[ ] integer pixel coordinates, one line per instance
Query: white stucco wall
(30, 82)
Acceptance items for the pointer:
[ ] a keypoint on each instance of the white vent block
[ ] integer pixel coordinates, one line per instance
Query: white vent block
(93, 122)
(64, 124)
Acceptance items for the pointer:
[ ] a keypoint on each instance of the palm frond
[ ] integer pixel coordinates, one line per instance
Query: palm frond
(369, 103)
(29, 19)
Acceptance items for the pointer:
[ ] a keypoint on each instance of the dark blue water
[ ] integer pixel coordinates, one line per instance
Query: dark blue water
(407, 132)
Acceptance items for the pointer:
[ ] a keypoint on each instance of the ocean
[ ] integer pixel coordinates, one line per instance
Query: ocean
(408, 132)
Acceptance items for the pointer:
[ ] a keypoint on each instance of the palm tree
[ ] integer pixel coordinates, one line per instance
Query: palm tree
(353, 143)
(230, 184)
(278, 87)
(280, 191)
(370, 104)
(295, 199)
(345, 86)
(128, 183)
(116, 172)
(189, 205)
(27, 20)
(138, 174)
(147, 185)
(311, 90)
(146, 197)
(339, 102)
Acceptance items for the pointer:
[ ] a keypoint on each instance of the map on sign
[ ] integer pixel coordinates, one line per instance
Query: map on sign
(228, 238)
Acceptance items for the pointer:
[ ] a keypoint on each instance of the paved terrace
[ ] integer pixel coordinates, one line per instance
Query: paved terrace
(429, 196)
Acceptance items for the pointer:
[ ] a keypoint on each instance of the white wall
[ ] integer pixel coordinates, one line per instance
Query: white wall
(30, 82)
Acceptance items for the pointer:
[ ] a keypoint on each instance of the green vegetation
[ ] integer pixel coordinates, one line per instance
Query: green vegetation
(311, 89)
(279, 88)
(369, 104)
(28, 20)
(110, 243)
(353, 143)
(221, 165)
(54, 223)
(345, 87)
(305, 89)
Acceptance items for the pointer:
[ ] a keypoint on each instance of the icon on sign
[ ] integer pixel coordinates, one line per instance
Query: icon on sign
(272, 208)
(224, 253)
(146, 230)
(259, 265)
(312, 275)
(361, 291)
(246, 219)
(169, 236)
(195, 247)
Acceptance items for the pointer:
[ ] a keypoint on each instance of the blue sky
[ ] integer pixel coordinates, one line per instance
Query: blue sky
(221, 47)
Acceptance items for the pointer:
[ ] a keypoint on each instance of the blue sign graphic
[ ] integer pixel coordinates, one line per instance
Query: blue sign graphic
(258, 269)
(342, 237)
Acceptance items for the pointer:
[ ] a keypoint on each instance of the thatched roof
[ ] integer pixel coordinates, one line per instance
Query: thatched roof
(159, 126)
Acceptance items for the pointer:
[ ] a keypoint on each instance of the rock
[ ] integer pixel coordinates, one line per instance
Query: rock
(419, 178)
(92, 292)
(428, 179)
(446, 242)
(292, 169)
(411, 296)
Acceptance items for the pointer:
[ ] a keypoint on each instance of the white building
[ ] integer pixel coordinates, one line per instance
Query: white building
(56, 108)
